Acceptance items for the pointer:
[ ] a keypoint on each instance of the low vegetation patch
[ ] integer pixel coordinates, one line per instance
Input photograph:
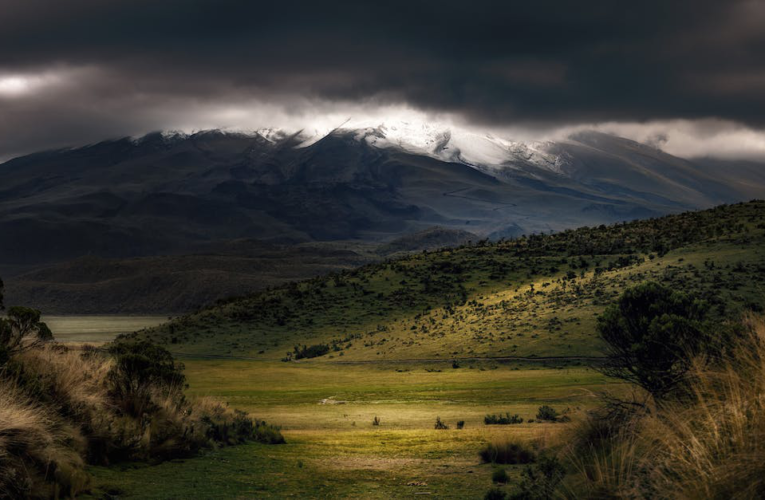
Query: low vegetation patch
(63, 409)
(500, 419)
(507, 452)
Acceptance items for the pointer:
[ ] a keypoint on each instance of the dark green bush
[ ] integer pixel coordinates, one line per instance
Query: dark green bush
(500, 476)
(507, 452)
(139, 369)
(547, 413)
(440, 425)
(307, 352)
(507, 419)
(540, 481)
(651, 335)
(495, 494)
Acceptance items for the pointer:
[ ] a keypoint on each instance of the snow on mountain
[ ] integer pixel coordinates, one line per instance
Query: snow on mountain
(441, 141)
(448, 143)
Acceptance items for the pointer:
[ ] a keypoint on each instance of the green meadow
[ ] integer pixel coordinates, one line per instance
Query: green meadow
(334, 451)
(456, 334)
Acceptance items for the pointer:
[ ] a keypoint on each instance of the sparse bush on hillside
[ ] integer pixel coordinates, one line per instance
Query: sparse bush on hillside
(307, 352)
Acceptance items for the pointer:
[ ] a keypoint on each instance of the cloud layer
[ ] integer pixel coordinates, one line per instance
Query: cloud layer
(82, 70)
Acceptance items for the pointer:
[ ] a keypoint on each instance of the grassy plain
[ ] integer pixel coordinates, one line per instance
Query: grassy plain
(334, 451)
(97, 328)
(391, 331)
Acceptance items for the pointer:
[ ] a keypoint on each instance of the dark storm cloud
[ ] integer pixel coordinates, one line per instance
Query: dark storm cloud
(119, 66)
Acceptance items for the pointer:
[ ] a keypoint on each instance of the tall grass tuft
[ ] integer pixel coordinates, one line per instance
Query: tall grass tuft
(709, 444)
(61, 409)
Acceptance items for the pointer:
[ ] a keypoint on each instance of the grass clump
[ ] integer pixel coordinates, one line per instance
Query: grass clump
(709, 443)
(62, 409)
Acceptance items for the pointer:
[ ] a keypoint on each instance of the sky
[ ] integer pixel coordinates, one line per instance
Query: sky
(686, 76)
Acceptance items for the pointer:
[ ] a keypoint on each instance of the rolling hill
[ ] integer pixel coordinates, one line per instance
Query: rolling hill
(535, 296)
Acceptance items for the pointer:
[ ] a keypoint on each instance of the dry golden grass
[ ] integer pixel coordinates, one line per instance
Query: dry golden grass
(711, 445)
(39, 453)
(57, 413)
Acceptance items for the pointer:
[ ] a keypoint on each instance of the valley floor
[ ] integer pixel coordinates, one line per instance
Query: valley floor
(333, 449)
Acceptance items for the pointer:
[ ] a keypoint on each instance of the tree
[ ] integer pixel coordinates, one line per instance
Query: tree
(20, 330)
(141, 368)
(651, 335)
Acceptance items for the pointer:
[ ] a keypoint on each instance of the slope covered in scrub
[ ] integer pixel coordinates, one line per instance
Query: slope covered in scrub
(533, 296)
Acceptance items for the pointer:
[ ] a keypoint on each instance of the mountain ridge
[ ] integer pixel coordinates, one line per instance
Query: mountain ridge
(166, 194)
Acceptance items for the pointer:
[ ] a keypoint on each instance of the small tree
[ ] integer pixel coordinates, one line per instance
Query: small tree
(547, 413)
(651, 335)
(20, 330)
(140, 369)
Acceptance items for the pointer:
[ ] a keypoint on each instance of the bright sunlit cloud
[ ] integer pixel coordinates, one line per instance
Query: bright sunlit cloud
(19, 85)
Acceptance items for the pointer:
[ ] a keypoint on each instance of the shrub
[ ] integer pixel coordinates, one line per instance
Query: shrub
(540, 481)
(710, 444)
(225, 426)
(547, 413)
(500, 476)
(495, 494)
(651, 335)
(307, 352)
(139, 369)
(507, 419)
(21, 330)
(440, 425)
(57, 413)
(506, 452)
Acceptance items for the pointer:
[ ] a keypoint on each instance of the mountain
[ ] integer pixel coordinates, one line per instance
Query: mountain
(170, 194)
(536, 296)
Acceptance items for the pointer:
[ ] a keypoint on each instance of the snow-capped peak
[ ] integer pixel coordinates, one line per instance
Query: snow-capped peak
(456, 144)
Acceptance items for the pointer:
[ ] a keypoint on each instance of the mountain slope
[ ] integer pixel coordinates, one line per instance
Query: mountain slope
(166, 195)
(536, 296)
(161, 193)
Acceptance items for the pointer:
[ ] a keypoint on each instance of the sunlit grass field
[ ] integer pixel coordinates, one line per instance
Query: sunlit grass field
(398, 340)
(98, 328)
(334, 451)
